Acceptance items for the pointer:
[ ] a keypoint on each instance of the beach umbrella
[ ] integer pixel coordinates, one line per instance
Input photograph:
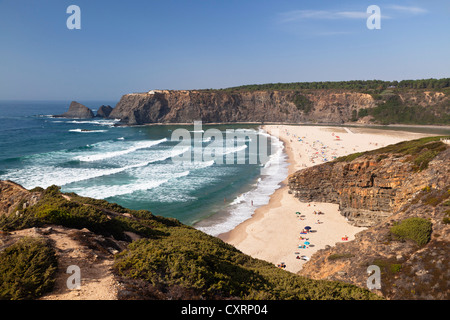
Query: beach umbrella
(307, 227)
(306, 242)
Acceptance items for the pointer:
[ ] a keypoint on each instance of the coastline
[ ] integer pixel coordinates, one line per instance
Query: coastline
(273, 231)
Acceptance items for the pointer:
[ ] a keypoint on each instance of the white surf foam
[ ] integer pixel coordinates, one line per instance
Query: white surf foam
(136, 146)
(243, 206)
(108, 191)
(98, 122)
(86, 131)
(234, 149)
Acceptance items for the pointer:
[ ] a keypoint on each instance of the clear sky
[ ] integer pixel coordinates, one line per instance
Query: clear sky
(137, 45)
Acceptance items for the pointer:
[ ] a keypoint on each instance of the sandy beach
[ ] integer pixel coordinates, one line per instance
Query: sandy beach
(273, 233)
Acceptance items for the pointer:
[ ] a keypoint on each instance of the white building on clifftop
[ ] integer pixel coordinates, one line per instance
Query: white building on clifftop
(155, 91)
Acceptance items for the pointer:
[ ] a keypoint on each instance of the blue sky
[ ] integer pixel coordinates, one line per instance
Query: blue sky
(137, 45)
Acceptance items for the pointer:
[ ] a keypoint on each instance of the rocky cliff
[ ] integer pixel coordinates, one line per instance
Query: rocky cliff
(288, 106)
(227, 107)
(371, 186)
(382, 189)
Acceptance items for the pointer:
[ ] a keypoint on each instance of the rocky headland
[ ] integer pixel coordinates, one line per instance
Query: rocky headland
(331, 106)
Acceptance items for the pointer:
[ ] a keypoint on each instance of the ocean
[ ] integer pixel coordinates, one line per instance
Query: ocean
(135, 167)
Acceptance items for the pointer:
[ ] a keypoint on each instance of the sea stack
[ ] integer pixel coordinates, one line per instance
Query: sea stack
(77, 111)
(104, 111)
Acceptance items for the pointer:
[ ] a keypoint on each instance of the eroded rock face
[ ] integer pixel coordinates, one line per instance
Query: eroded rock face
(104, 111)
(228, 107)
(288, 106)
(367, 189)
(380, 194)
(12, 195)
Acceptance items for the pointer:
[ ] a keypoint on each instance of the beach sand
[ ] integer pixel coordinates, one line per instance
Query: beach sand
(273, 232)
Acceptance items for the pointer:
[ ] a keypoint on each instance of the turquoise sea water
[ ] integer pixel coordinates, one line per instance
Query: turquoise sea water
(133, 166)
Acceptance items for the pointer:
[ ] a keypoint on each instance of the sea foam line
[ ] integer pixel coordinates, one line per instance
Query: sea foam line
(243, 206)
(87, 131)
(46, 176)
(109, 191)
(137, 146)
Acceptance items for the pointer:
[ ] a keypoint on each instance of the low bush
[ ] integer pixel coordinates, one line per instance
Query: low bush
(415, 229)
(27, 269)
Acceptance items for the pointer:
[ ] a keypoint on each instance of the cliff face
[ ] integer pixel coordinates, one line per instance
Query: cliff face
(373, 186)
(258, 106)
(379, 191)
(288, 106)
(12, 194)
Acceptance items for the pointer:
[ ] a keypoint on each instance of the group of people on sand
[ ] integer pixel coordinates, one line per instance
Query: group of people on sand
(305, 231)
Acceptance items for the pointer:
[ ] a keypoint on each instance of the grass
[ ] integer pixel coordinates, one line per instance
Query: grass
(420, 151)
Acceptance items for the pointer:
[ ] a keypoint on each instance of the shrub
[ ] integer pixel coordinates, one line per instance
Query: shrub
(207, 267)
(415, 229)
(27, 269)
(338, 256)
(302, 103)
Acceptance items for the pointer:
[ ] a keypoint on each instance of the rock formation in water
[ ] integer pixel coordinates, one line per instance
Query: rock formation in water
(104, 111)
(77, 111)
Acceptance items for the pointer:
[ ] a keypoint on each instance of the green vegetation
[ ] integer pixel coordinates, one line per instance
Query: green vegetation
(394, 110)
(27, 269)
(349, 157)
(80, 213)
(171, 257)
(390, 107)
(415, 229)
(434, 197)
(377, 85)
(214, 269)
(302, 103)
(338, 256)
(420, 151)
